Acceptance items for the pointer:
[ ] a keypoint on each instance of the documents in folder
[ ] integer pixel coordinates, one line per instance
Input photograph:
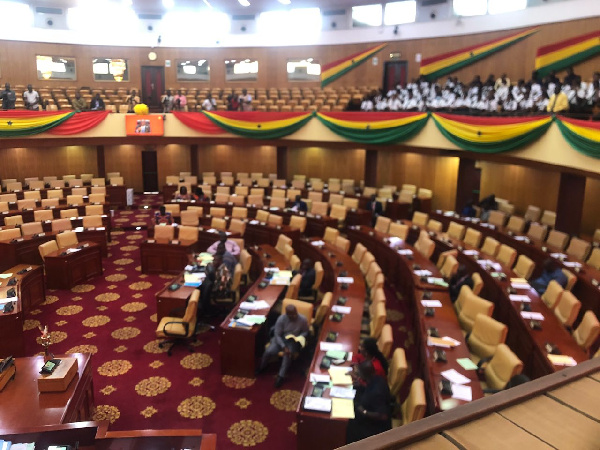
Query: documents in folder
(455, 377)
(281, 278)
(317, 404)
(339, 376)
(342, 408)
(342, 392)
(562, 360)
(193, 279)
(253, 306)
(445, 342)
(532, 315)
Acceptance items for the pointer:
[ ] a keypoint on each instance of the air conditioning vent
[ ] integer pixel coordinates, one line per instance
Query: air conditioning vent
(150, 16)
(45, 10)
(334, 12)
(242, 17)
(433, 2)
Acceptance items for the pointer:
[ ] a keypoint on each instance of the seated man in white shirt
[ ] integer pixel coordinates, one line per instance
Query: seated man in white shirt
(367, 104)
(230, 246)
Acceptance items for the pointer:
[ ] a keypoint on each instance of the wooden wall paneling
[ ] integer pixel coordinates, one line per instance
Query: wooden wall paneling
(172, 159)
(318, 162)
(20, 163)
(126, 159)
(590, 219)
(522, 186)
(272, 61)
(438, 173)
(569, 206)
(228, 158)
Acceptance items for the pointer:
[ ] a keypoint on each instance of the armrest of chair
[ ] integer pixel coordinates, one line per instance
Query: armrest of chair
(185, 325)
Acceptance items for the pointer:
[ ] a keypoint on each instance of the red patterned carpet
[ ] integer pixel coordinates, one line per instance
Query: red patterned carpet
(137, 385)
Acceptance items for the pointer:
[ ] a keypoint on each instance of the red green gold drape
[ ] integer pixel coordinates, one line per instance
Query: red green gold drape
(334, 70)
(491, 134)
(374, 127)
(582, 135)
(446, 63)
(257, 125)
(15, 123)
(563, 54)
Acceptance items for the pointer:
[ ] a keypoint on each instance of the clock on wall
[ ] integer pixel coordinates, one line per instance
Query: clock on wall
(152, 56)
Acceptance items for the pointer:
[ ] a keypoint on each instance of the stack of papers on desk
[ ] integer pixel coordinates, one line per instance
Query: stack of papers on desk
(532, 315)
(455, 377)
(558, 255)
(318, 243)
(342, 392)
(470, 252)
(437, 281)
(461, 392)
(327, 346)
(4, 301)
(519, 298)
(446, 342)
(317, 404)
(346, 280)
(431, 303)
(342, 408)
(572, 264)
(253, 306)
(281, 278)
(339, 376)
(562, 360)
(422, 273)
(193, 279)
(405, 252)
(318, 378)
(341, 309)
(254, 222)
(394, 241)
(520, 285)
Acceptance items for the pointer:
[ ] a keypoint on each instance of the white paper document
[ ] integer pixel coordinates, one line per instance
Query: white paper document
(341, 309)
(520, 285)
(317, 404)
(405, 252)
(346, 280)
(271, 269)
(326, 346)
(532, 315)
(318, 243)
(319, 378)
(520, 238)
(431, 303)
(558, 255)
(252, 306)
(423, 273)
(470, 252)
(572, 264)
(342, 392)
(461, 392)
(519, 298)
(254, 222)
(455, 377)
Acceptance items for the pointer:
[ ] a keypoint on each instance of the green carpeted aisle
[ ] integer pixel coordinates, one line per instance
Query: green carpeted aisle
(136, 385)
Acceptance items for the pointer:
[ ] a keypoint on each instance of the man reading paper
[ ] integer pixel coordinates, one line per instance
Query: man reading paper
(290, 333)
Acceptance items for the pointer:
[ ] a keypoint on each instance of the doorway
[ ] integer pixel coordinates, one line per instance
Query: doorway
(153, 86)
(150, 171)
(394, 73)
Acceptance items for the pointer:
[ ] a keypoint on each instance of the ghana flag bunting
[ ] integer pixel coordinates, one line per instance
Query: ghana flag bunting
(582, 135)
(26, 123)
(374, 127)
(491, 134)
(256, 125)
(563, 54)
(446, 63)
(332, 71)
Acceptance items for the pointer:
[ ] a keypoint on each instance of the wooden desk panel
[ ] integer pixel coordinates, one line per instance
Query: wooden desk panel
(240, 347)
(161, 256)
(23, 406)
(65, 271)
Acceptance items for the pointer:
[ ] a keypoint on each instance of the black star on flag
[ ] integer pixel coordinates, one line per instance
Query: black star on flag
(9, 123)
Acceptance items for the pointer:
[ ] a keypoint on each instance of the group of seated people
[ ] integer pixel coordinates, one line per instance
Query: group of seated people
(495, 95)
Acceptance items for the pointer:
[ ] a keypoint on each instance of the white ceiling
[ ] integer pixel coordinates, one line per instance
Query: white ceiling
(229, 6)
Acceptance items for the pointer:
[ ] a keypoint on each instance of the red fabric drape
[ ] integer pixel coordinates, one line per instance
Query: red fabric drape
(198, 122)
(21, 114)
(582, 123)
(80, 122)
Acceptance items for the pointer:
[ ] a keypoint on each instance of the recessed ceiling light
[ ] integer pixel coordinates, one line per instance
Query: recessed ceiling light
(168, 4)
(244, 2)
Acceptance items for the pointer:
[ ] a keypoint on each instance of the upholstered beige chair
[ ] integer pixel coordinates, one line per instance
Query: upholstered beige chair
(46, 248)
(567, 309)
(382, 224)
(415, 405)
(473, 237)
(553, 294)
(485, 336)
(502, 367)
(420, 219)
(177, 330)
(524, 267)
(472, 306)
(397, 371)
(506, 255)
(456, 231)
(67, 239)
(490, 246)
